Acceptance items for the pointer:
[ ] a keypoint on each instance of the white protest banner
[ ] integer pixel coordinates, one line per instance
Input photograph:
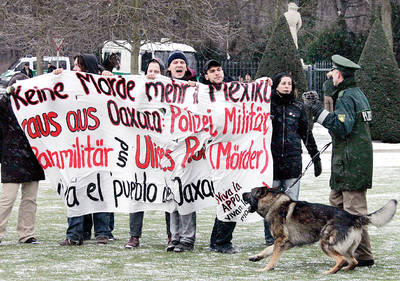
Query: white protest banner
(124, 144)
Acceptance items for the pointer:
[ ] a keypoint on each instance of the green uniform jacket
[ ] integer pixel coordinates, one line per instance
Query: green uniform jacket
(352, 146)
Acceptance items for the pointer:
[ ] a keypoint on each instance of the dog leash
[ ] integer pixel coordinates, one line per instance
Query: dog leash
(309, 164)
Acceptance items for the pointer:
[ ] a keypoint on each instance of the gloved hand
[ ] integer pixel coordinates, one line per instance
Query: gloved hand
(9, 91)
(317, 167)
(311, 99)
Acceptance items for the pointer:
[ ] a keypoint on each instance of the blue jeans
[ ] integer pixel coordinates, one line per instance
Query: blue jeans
(75, 228)
(292, 192)
(81, 226)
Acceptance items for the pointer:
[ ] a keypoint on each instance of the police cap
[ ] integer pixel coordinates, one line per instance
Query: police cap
(343, 64)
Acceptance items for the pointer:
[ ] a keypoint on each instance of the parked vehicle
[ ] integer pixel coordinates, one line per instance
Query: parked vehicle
(147, 52)
(18, 65)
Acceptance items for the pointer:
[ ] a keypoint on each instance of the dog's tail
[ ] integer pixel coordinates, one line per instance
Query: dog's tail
(383, 215)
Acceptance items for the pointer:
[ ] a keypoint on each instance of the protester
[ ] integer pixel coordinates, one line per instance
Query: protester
(27, 71)
(178, 67)
(351, 167)
(50, 67)
(154, 68)
(221, 236)
(247, 78)
(183, 227)
(328, 89)
(79, 227)
(289, 128)
(19, 167)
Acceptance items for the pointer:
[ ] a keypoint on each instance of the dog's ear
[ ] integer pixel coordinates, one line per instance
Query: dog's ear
(259, 191)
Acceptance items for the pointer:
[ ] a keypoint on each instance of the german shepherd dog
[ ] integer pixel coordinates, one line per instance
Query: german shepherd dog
(297, 223)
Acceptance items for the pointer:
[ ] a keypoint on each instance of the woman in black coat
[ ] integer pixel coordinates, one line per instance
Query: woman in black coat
(19, 167)
(290, 128)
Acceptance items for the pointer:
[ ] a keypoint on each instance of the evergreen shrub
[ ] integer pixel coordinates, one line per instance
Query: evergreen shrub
(281, 55)
(379, 79)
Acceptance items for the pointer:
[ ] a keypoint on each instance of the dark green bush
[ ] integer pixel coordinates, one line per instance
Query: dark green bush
(379, 78)
(334, 41)
(281, 55)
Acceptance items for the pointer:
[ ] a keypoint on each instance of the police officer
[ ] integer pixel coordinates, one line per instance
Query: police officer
(351, 167)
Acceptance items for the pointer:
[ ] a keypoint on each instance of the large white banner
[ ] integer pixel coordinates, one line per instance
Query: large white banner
(126, 143)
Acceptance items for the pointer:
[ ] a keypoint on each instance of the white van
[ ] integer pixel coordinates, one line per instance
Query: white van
(147, 51)
(18, 65)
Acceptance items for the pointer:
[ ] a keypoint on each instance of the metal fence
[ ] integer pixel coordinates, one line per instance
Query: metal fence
(234, 69)
(315, 73)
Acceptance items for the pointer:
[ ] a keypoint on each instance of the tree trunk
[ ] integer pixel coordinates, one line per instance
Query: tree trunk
(386, 18)
(135, 48)
(135, 43)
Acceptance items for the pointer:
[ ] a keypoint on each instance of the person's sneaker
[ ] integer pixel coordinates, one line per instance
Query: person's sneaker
(171, 246)
(69, 242)
(32, 240)
(228, 250)
(101, 240)
(132, 243)
(365, 262)
(111, 238)
(183, 247)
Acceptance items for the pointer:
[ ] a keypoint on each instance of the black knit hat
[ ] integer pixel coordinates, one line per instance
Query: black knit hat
(177, 55)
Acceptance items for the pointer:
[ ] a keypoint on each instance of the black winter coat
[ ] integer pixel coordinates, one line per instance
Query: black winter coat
(29, 74)
(18, 163)
(290, 127)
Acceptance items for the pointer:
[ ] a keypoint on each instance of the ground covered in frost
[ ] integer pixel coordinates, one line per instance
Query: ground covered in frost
(48, 261)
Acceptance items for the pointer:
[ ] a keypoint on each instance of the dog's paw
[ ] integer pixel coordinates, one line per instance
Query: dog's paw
(265, 269)
(255, 258)
(349, 267)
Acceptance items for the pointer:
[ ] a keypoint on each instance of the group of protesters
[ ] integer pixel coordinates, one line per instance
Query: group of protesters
(346, 116)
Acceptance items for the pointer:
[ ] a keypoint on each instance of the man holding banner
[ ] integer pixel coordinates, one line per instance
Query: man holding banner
(221, 235)
(182, 227)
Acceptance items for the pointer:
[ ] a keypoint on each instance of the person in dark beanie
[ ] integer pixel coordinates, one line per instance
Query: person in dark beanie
(178, 67)
(19, 168)
(352, 154)
(182, 227)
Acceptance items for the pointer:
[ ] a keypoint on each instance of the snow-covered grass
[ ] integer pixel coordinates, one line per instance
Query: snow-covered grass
(48, 261)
